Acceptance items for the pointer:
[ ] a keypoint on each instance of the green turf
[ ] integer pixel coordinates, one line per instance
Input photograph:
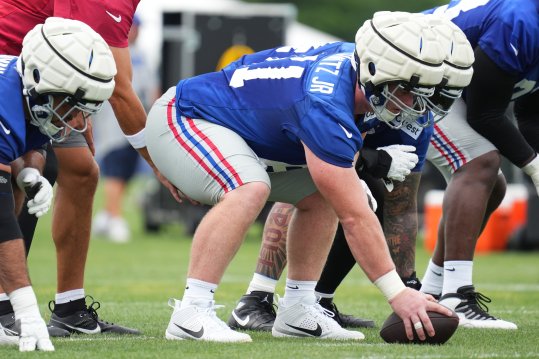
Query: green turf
(134, 281)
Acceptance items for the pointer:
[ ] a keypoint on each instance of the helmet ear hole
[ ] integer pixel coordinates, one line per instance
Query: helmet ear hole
(36, 76)
(372, 68)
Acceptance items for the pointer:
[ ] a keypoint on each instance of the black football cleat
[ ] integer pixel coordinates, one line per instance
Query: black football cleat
(254, 311)
(345, 320)
(86, 321)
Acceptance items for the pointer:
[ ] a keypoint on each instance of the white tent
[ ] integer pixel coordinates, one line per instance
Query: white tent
(150, 12)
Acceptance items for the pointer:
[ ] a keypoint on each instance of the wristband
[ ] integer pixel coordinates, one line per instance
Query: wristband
(138, 140)
(390, 284)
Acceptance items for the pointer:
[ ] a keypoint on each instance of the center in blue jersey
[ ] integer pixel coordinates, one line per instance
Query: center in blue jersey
(506, 30)
(277, 99)
(17, 136)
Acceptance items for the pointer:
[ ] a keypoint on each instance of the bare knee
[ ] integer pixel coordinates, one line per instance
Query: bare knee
(77, 169)
(483, 169)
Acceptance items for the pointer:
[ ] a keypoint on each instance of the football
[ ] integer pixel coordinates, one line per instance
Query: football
(392, 330)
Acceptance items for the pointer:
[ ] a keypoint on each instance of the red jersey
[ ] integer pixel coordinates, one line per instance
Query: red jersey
(110, 18)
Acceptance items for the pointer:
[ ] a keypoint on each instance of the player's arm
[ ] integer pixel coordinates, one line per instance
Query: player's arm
(342, 189)
(129, 111)
(487, 98)
(349, 200)
(527, 114)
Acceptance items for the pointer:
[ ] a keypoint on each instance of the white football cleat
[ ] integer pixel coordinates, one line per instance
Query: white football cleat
(199, 321)
(472, 311)
(308, 319)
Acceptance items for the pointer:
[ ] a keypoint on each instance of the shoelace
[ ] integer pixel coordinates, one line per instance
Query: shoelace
(324, 311)
(332, 307)
(479, 300)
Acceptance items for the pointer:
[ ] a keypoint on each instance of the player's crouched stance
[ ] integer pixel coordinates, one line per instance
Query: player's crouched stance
(65, 72)
(280, 126)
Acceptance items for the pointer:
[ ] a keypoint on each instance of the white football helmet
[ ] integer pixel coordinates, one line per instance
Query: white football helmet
(66, 62)
(458, 66)
(398, 48)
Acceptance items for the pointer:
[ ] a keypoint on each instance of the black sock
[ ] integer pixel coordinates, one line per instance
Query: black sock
(65, 309)
(5, 307)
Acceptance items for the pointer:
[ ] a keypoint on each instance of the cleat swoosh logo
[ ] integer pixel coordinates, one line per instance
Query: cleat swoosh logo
(114, 17)
(6, 130)
(194, 334)
(313, 332)
(96, 330)
(241, 322)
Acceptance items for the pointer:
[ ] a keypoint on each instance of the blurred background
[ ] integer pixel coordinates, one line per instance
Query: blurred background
(180, 38)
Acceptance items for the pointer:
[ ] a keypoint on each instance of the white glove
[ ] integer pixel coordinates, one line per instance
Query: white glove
(30, 180)
(403, 160)
(372, 202)
(34, 335)
(532, 170)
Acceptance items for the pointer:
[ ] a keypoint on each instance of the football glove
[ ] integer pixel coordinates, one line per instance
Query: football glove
(403, 160)
(532, 170)
(37, 189)
(370, 198)
(34, 335)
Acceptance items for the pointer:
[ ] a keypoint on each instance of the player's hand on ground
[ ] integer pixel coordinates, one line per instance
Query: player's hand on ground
(403, 160)
(34, 335)
(412, 307)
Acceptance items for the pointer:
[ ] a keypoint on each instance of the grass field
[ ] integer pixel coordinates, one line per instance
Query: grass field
(134, 281)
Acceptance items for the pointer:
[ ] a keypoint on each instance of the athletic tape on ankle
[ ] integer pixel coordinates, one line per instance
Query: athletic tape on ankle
(390, 284)
(138, 140)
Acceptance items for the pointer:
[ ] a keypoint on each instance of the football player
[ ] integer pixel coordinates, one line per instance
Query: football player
(45, 90)
(284, 129)
(466, 147)
(395, 152)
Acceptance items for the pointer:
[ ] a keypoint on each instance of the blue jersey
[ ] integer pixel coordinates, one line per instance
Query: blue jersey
(277, 99)
(378, 133)
(506, 30)
(17, 136)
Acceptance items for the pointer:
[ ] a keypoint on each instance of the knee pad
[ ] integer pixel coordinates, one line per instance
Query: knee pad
(9, 228)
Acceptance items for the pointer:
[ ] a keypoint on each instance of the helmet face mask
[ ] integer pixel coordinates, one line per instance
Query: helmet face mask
(67, 71)
(441, 102)
(53, 114)
(391, 94)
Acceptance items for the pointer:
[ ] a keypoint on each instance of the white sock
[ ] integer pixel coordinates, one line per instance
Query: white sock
(196, 290)
(456, 275)
(3, 296)
(433, 280)
(261, 283)
(69, 296)
(297, 289)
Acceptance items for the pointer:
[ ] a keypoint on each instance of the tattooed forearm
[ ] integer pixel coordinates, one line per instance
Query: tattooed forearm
(272, 256)
(400, 223)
